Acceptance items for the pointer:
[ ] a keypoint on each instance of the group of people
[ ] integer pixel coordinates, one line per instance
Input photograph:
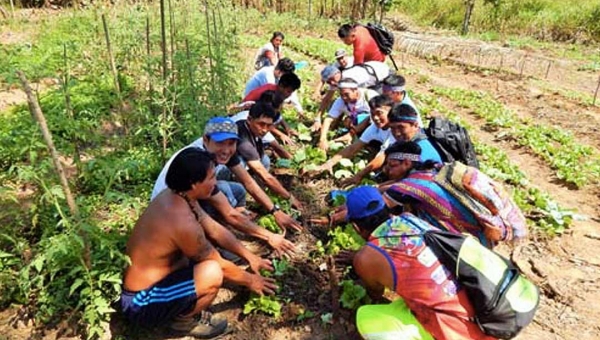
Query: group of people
(182, 250)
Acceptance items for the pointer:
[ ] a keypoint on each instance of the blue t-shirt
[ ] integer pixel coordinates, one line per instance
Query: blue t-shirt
(428, 152)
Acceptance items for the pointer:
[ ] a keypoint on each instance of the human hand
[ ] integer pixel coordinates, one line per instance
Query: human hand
(345, 257)
(296, 203)
(316, 126)
(354, 180)
(292, 132)
(339, 215)
(281, 246)
(257, 263)
(287, 140)
(262, 285)
(285, 221)
(323, 145)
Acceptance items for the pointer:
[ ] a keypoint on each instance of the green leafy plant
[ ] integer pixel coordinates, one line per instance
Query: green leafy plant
(269, 305)
(268, 222)
(343, 238)
(353, 295)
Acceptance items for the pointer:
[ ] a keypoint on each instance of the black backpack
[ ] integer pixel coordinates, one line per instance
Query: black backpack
(504, 300)
(383, 37)
(451, 141)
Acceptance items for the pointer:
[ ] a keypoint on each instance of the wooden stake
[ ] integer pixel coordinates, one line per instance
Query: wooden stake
(334, 286)
(548, 69)
(113, 67)
(150, 86)
(522, 67)
(596, 92)
(68, 107)
(38, 116)
(165, 75)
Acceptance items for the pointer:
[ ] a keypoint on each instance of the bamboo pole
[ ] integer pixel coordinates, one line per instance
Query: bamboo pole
(68, 106)
(148, 64)
(596, 92)
(113, 67)
(38, 116)
(165, 75)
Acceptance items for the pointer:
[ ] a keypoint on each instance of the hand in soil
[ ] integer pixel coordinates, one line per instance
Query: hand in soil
(287, 140)
(282, 246)
(285, 221)
(354, 180)
(257, 263)
(296, 204)
(263, 285)
(316, 126)
(345, 257)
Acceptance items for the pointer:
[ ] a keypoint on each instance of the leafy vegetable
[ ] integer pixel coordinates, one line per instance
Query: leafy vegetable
(267, 304)
(352, 294)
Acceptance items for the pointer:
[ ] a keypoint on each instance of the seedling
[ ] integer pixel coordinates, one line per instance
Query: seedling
(267, 304)
(352, 294)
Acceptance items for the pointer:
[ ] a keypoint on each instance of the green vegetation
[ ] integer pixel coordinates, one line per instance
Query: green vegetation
(572, 20)
(113, 142)
(574, 162)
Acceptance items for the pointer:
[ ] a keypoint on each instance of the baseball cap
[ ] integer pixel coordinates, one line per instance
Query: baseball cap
(362, 202)
(340, 53)
(220, 129)
(328, 72)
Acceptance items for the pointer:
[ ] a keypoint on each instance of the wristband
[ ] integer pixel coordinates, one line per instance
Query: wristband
(275, 209)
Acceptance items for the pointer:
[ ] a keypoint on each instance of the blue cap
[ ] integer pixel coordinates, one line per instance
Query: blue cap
(363, 202)
(220, 129)
(328, 72)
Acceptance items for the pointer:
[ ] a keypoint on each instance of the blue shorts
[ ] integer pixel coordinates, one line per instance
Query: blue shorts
(170, 297)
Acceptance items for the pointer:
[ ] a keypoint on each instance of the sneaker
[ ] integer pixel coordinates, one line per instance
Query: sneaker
(204, 326)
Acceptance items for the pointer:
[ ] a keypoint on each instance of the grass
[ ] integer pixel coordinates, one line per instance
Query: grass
(570, 20)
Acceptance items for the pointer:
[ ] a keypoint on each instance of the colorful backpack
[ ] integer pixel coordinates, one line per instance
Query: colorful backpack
(499, 216)
(503, 299)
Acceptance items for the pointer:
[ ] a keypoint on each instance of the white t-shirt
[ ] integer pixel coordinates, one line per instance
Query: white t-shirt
(161, 183)
(260, 60)
(339, 107)
(266, 75)
(368, 74)
(349, 63)
(373, 133)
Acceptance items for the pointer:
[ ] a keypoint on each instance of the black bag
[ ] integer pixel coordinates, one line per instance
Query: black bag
(451, 141)
(383, 37)
(504, 300)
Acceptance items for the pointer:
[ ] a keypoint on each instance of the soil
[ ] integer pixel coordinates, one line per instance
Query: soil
(566, 268)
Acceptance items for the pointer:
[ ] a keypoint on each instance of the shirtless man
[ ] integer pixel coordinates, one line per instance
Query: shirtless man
(175, 271)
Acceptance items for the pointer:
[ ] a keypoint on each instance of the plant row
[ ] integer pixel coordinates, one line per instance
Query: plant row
(574, 162)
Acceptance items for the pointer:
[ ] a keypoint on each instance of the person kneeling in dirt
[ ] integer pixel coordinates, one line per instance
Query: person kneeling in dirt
(274, 98)
(376, 136)
(396, 257)
(411, 185)
(394, 86)
(220, 138)
(272, 75)
(250, 148)
(368, 75)
(175, 272)
(354, 104)
(287, 85)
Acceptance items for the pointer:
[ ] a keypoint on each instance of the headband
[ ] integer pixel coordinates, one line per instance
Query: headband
(405, 119)
(347, 85)
(394, 88)
(399, 156)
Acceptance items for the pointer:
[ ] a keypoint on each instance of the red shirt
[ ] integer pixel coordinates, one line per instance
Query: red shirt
(255, 94)
(365, 47)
